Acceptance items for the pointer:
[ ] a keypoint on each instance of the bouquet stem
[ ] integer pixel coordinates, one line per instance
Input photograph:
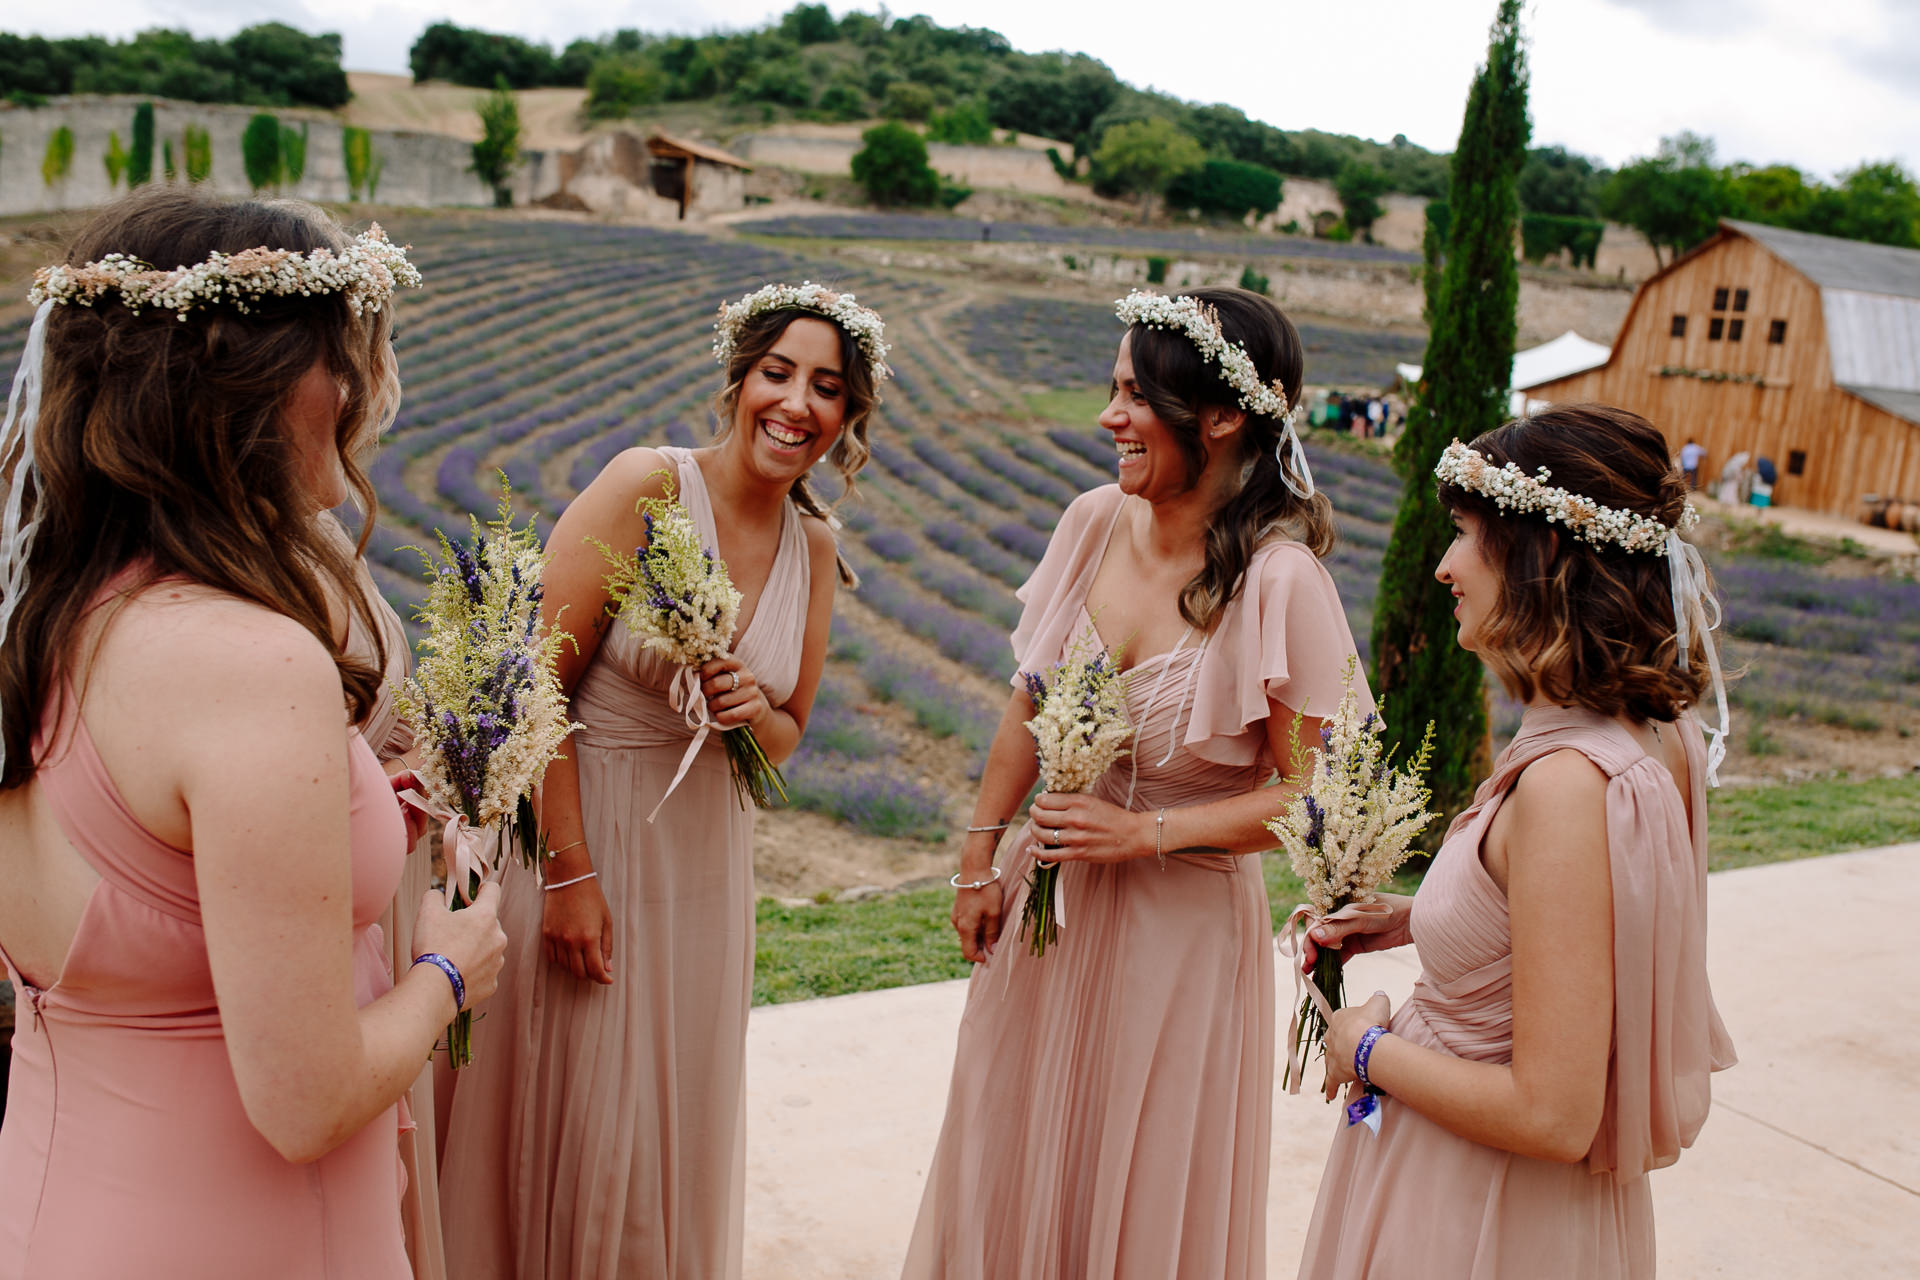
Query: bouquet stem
(460, 1039)
(1037, 912)
(1330, 978)
(756, 779)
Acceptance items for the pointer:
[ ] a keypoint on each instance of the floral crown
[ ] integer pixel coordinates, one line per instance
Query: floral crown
(1511, 489)
(864, 323)
(367, 271)
(1201, 324)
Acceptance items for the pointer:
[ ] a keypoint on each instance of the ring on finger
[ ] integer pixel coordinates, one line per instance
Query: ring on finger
(736, 681)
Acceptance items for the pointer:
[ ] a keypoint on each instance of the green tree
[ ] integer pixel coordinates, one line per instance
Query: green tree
(293, 153)
(140, 158)
(1556, 180)
(197, 148)
(1675, 198)
(809, 24)
(1144, 156)
(166, 154)
(1360, 186)
(1472, 303)
(497, 153)
(260, 151)
(843, 101)
(905, 100)
(622, 84)
(1876, 202)
(966, 124)
(57, 163)
(892, 165)
(115, 158)
(1227, 188)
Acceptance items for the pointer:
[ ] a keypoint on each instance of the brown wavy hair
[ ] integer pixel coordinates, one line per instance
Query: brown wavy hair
(160, 446)
(851, 451)
(1178, 382)
(1585, 625)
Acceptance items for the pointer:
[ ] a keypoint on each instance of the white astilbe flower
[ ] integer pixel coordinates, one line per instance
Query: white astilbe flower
(1080, 727)
(367, 272)
(863, 323)
(1511, 489)
(1355, 820)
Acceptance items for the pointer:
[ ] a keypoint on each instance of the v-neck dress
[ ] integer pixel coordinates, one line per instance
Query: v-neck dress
(1111, 1102)
(599, 1133)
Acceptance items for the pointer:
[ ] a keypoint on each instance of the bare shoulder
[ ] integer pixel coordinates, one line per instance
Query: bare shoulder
(1563, 790)
(821, 545)
(641, 472)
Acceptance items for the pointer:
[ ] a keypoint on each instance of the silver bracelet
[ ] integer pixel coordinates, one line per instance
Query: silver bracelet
(998, 826)
(977, 884)
(1159, 838)
(561, 884)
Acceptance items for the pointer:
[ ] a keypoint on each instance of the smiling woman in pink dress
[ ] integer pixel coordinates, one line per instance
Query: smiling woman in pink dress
(1558, 1043)
(195, 838)
(1111, 1100)
(600, 1134)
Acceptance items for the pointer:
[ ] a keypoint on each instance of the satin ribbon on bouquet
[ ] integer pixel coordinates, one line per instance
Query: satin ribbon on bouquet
(684, 696)
(1291, 944)
(465, 845)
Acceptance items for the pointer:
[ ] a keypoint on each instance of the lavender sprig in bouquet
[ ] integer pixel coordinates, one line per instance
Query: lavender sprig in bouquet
(1080, 729)
(1346, 833)
(488, 707)
(676, 595)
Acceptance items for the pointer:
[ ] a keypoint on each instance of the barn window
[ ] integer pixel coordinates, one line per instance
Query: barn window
(1777, 332)
(1679, 329)
(1715, 328)
(1739, 299)
(1796, 462)
(1719, 299)
(1735, 327)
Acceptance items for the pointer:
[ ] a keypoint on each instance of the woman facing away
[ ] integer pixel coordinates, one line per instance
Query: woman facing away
(1111, 1100)
(599, 1134)
(1558, 1043)
(197, 838)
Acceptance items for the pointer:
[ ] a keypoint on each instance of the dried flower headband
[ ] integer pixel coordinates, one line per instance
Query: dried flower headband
(1511, 489)
(863, 323)
(1201, 325)
(366, 272)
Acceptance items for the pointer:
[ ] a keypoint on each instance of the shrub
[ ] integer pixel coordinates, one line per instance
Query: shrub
(497, 154)
(1227, 188)
(1252, 280)
(1544, 234)
(905, 100)
(952, 192)
(1068, 170)
(782, 81)
(893, 167)
(1156, 269)
(870, 797)
(197, 148)
(166, 159)
(140, 158)
(1360, 186)
(293, 153)
(58, 161)
(620, 85)
(965, 125)
(115, 159)
(356, 147)
(260, 151)
(843, 101)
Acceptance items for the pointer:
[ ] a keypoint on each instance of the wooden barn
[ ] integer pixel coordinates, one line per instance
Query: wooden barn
(1800, 348)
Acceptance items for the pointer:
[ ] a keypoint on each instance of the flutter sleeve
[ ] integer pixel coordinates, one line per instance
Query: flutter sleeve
(1052, 596)
(1668, 1037)
(1285, 638)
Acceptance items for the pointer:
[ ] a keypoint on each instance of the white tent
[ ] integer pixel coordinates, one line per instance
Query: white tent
(1566, 355)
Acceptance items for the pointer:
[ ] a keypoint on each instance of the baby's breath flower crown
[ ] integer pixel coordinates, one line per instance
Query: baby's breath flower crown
(1201, 325)
(864, 323)
(367, 271)
(1511, 489)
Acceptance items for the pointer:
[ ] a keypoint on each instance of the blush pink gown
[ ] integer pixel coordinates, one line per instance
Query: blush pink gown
(1420, 1201)
(600, 1132)
(1112, 1100)
(126, 1151)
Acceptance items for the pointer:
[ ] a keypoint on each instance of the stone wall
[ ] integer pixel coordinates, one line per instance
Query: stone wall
(1012, 168)
(419, 169)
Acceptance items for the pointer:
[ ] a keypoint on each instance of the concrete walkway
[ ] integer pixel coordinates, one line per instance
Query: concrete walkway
(1808, 1167)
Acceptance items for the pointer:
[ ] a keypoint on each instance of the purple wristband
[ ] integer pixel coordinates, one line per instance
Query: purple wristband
(1363, 1052)
(452, 971)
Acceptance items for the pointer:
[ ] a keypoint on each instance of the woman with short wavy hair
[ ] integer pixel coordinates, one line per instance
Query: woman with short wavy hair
(1558, 1044)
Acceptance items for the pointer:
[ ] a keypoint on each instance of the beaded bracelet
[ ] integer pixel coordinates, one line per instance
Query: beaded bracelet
(1363, 1053)
(452, 971)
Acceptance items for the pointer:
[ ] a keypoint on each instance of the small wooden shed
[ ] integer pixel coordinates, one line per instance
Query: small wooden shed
(1780, 344)
(700, 177)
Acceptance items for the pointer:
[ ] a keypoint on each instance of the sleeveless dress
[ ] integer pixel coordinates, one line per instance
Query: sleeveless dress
(600, 1132)
(1112, 1100)
(126, 1150)
(1420, 1201)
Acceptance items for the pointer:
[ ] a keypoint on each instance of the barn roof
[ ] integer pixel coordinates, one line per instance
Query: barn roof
(1833, 263)
(665, 144)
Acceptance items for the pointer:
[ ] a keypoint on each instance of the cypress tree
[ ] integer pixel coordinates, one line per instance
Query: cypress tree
(1471, 300)
(140, 159)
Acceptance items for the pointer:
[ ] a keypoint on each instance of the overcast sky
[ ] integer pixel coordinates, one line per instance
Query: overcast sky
(1819, 85)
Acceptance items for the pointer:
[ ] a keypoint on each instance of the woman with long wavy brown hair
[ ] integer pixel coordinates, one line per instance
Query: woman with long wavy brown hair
(197, 837)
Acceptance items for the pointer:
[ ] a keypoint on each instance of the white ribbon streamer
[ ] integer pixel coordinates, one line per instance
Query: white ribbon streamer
(1289, 442)
(1695, 609)
(23, 411)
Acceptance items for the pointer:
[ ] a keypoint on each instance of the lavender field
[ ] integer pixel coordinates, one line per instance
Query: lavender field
(542, 349)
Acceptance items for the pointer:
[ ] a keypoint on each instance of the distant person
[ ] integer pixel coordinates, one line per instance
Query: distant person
(1376, 417)
(1558, 1045)
(598, 1134)
(1692, 454)
(1764, 476)
(211, 1046)
(1112, 1099)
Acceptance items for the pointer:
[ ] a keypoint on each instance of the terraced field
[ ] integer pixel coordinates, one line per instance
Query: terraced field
(544, 348)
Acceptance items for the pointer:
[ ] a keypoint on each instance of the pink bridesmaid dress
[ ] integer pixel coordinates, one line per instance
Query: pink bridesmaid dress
(1112, 1100)
(126, 1150)
(1420, 1201)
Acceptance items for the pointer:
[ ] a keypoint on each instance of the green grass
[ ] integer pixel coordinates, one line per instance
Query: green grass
(1071, 406)
(837, 948)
